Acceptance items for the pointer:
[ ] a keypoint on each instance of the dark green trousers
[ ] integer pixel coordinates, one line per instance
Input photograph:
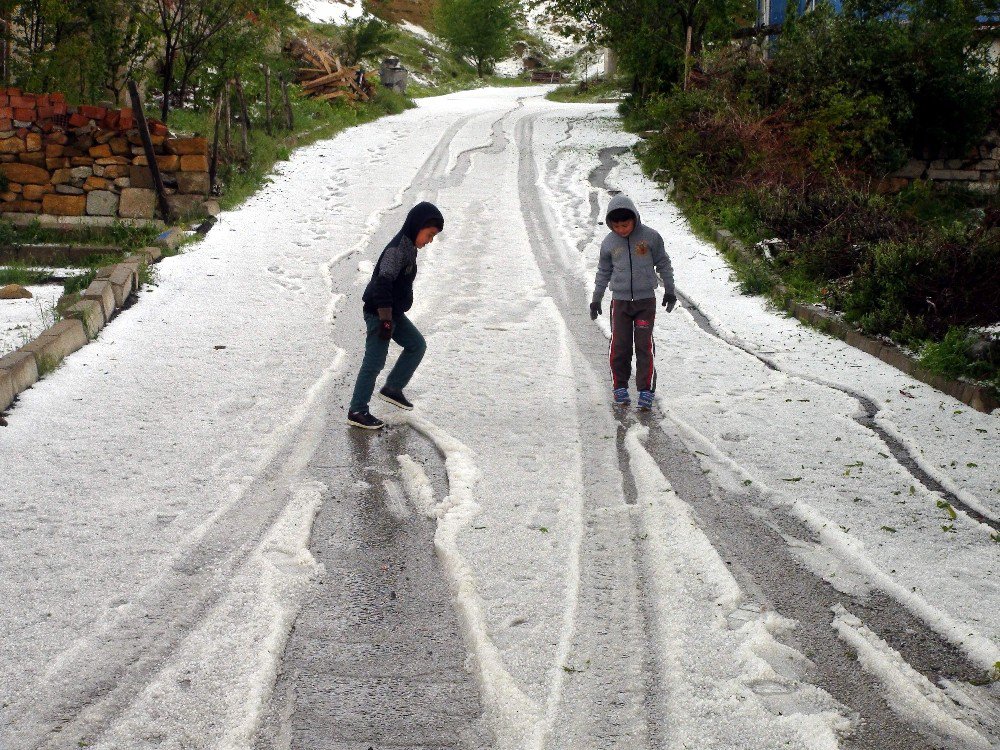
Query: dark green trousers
(407, 336)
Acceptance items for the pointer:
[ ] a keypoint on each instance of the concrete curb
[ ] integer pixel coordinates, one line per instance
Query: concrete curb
(978, 397)
(99, 302)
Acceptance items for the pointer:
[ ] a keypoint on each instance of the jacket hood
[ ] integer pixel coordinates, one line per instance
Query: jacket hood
(422, 215)
(622, 201)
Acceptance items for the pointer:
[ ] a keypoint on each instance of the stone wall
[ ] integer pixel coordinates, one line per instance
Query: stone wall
(60, 159)
(980, 170)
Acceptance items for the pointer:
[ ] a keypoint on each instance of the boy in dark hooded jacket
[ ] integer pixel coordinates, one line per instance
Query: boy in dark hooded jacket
(387, 297)
(631, 257)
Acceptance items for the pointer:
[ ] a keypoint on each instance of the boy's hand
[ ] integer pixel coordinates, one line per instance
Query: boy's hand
(385, 330)
(595, 310)
(669, 300)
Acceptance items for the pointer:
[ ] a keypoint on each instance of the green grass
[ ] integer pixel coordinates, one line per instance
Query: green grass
(76, 284)
(22, 275)
(121, 235)
(575, 93)
(952, 358)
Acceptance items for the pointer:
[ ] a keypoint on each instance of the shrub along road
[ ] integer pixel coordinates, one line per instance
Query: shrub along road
(198, 553)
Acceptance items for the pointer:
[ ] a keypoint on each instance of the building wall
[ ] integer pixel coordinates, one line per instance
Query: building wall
(771, 12)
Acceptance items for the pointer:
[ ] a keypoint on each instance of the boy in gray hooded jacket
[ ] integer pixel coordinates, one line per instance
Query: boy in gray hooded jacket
(631, 257)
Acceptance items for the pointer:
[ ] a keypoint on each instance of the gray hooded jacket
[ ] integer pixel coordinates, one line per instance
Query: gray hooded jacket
(629, 265)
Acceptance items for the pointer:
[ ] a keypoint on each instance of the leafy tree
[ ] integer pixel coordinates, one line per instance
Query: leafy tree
(651, 37)
(191, 32)
(922, 66)
(239, 51)
(123, 39)
(365, 36)
(46, 49)
(481, 30)
(169, 16)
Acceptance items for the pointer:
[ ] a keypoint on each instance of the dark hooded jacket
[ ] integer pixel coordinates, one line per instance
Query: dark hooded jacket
(391, 284)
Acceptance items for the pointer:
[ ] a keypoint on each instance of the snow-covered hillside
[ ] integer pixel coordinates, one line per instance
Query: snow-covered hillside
(330, 11)
(537, 17)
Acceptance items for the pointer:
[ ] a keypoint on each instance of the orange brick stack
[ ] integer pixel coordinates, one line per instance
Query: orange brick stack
(66, 160)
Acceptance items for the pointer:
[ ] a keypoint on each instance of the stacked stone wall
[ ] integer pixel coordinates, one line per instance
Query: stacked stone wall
(979, 170)
(60, 159)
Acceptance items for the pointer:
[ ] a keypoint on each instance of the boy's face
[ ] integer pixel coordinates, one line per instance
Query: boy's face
(623, 228)
(426, 236)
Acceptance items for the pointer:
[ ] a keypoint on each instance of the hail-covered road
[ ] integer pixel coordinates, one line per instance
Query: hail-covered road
(797, 548)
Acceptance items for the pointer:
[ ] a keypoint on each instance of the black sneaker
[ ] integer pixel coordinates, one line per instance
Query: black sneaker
(364, 420)
(396, 398)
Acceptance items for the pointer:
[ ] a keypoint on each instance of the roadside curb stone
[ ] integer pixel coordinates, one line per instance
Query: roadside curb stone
(6, 389)
(56, 343)
(90, 313)
(123, 279)
(97, 305)
(153, 253)
(21, 368)
(978, 397)
(101, 291)
(170, 239)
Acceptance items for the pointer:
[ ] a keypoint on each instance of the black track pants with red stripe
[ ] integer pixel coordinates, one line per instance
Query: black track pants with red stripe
(632, 321)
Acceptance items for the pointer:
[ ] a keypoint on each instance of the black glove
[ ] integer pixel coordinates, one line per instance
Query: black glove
(669, 300)
(595, 310)
(385, 330)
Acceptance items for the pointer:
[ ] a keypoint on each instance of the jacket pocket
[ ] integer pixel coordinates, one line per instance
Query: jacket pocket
(645, 273)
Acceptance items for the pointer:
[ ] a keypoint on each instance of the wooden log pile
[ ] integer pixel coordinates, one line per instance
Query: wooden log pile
(322, 76)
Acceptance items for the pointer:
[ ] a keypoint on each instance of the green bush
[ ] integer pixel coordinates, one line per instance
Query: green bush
(924, 286)
(897, 78)
(795, 147)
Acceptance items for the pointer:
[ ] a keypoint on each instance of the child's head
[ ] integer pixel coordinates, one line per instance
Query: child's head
(423, 223)
(622, 217)
(621, 221)
(426, 236)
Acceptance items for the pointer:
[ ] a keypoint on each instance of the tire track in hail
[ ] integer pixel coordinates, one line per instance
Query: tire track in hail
(97, 679)
(923, 648)
(761, 560)
(393, 605)
(623, 526)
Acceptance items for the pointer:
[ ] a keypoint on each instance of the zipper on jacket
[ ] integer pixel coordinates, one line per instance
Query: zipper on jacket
(631, 279)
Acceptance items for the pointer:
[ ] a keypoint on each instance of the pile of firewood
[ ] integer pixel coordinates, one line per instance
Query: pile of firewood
(322, 75)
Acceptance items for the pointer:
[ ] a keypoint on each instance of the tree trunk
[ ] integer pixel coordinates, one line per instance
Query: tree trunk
(227, 119)
(168, 83)
(289, 116)
(213, 167)
(687, 58)
(267, 100)
(244, 119)
(5, 55)
(244, 114)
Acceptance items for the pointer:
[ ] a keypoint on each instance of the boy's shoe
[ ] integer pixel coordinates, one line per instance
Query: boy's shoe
(645, 400)
(621, 396)
(396, 398)
(364, 420)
